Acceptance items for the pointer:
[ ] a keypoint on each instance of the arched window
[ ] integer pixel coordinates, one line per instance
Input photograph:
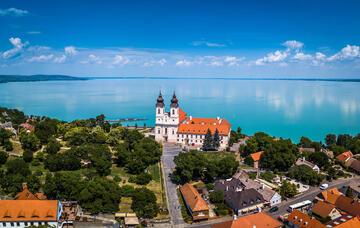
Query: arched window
(158, 111)
(173, 111)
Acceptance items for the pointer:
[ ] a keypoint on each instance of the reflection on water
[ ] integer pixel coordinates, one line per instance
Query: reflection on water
(282, 108)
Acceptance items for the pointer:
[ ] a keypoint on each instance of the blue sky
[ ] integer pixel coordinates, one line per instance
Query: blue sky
(181, 38)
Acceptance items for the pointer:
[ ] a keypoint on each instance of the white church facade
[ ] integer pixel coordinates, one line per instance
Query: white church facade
(176, 127)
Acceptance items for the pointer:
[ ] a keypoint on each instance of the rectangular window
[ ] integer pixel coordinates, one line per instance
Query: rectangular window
(17, 223)
(158, 131)
(11, 224)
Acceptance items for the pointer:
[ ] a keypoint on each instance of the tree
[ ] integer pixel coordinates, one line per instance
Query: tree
(279, 156)
(62, 161)
(3, 157)
(114, 136)
(330, 139)
(305, 142)
(141, 179)
(287, 189)
(320, 159)
(53, 146)
(216, 140)
(344, 140)
(77, 136)
(45, 129)
(8, 146)
(217, 196)
(305, 174)
(208, 142)
(144, 203)
(29, 142)
(28, 155)
(4, 136)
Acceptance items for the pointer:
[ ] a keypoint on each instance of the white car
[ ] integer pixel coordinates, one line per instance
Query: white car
(324, 186)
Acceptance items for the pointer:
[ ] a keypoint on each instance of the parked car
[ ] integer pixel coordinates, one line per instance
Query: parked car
(273, 209)
(324, 186)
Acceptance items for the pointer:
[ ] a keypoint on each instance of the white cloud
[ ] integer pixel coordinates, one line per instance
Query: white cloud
(208, 44)
(18, 46)
(232, 60)
(183, 62)
(216, 63)
(348, 52)
(273, 57)
(13, 12)
(151, 63)
(60, 59)
(302, 56)
(120, 60)
(41, 58)
(293, 44)
(92, 59)
(70, 50)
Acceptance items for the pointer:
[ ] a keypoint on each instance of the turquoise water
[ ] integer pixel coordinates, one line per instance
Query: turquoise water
(288, 109)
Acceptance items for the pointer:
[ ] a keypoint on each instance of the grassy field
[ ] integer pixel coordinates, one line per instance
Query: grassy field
(155, 185)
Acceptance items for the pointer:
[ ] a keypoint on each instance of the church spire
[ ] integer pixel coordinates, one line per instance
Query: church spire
(174, 101)
(160, 101)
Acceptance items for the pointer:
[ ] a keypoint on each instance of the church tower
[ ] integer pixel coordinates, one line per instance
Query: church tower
(166, 123)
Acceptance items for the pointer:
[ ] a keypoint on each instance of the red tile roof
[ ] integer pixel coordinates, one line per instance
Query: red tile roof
(193, 198)
(322, 209)
(256, 156)
(348, 205)
(25, 194)
(344, 156)
(258, 220)
(302, 220)
(182, 115)
(200, 126)
(28, 210)
(331, 195)
(352, 223)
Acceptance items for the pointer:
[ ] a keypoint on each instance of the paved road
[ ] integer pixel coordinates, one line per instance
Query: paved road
(310, 195)
(167, 159)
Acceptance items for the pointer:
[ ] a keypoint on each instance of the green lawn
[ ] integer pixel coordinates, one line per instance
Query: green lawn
(154, 170)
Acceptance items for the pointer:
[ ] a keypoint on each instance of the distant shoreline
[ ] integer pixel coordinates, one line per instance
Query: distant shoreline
(39, 78)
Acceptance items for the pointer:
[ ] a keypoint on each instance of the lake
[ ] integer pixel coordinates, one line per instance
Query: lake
(288, 109)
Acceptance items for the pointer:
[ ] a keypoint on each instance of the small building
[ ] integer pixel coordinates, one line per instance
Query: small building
(302, 161)
(325, 210)
(355, 188)
(195, 204)
(28, 127)
(257, 220)
(329, 195)
(244, 201)
(297, 219)
(306, 150)
(25, 194)
(328, 152)
(355, 166)
(348, 205)
(256, 158)
(24, 213)
(351, 223)
(344, 157)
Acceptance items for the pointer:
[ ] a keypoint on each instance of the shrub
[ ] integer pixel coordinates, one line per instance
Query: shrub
(141, 179)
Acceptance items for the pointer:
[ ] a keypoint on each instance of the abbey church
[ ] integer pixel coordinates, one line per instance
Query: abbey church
(177, 127)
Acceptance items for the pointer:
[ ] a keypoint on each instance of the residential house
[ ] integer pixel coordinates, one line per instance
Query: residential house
(297, 219)
(244, 201)
(257, 220)
(24, 213)
(355, 166)
(306, 150)
(325, 210)
(329, 195)
(348, 205)
(302, 161)
(28, 127)
(25, 194)
(355, 188)
(256, 158)
(328, 152)
(344, 157)
(343, 218)
(352, 223)
(242, 181)
(8, 126)
(195, 204)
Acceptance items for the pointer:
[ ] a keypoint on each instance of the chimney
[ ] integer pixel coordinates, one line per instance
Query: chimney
(24, 186)
(190, 117)
(218, 117)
